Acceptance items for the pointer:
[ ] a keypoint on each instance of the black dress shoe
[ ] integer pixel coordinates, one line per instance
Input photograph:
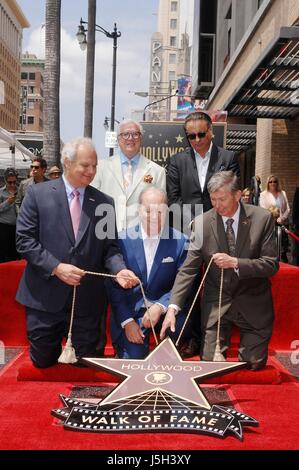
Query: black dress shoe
(190, 349)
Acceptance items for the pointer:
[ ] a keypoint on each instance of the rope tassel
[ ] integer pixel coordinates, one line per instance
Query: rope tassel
(218, 356)
(68, 355)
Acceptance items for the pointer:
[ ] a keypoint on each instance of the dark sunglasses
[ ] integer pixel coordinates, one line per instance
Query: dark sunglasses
(200, 135)
(272, 181)
(34, 167)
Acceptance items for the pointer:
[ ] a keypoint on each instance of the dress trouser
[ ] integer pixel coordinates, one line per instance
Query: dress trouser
(253, 347)
(46, 330)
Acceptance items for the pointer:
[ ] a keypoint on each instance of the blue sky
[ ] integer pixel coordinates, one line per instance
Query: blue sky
(136, 20)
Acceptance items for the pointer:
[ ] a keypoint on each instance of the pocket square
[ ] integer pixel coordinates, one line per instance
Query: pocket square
(169, 259)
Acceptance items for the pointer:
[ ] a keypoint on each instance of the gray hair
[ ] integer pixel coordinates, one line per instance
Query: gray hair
(129, 121)
(155, 190)
(224, 178)
(70, 149)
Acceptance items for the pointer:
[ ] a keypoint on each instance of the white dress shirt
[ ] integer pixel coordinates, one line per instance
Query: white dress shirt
(202, 164)
(150, 245)
(235, 225)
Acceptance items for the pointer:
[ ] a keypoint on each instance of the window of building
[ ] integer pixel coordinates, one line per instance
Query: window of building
(174, 6)
(30, 120)
(24, 76)
(173, 41)
(171, 75)
(173, 23)
(32, 76)
(31, 89)
(172, 58)
(31, 104)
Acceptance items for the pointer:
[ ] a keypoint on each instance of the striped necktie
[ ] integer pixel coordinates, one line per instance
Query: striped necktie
(128, 176)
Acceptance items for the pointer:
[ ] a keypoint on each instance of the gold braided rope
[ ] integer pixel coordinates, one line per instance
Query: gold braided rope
(194, 300)
(219, 311)
(115, 276)
(147, 307)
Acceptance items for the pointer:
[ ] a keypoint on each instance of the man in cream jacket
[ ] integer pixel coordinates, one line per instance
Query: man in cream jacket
(126, 175)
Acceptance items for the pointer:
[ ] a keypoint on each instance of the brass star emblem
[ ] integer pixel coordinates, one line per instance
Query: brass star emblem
(164, 370)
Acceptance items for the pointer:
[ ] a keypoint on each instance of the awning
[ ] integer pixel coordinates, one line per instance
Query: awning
(271, 89)
(240, 137)
(12, 152)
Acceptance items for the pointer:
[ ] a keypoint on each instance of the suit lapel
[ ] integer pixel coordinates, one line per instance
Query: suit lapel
(141, 170)
(63, 208)
(243, 230)
(115, 168)
(135, 254)
(160, 253)
(194, 171)
(88, 211)
(212, 164)
(219, 232)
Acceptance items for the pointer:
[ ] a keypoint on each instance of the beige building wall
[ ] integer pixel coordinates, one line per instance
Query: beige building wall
(32, 101)
(12, 22)
(170, 58)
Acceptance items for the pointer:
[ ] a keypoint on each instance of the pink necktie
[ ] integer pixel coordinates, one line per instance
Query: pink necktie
(75, 210)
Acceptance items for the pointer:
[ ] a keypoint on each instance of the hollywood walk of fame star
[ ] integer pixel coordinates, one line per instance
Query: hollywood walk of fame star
(179, 138)
(164, 370)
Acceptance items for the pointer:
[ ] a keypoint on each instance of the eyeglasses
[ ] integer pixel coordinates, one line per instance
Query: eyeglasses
(34, 167)
(272, 181)
(126, 135)
(200, 135)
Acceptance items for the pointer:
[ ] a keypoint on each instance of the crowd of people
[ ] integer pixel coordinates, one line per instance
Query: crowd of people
(57, 221)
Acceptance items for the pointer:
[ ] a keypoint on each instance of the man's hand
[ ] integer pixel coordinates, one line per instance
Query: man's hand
(223, 260)
(11, 199)
(133, 332)
(127, 279)
(169, 322)
(69, 274)
(154, 312)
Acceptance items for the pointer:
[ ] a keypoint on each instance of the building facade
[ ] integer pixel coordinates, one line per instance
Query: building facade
(12, 23)
(170, 57)
(32, 101)
(254, 75)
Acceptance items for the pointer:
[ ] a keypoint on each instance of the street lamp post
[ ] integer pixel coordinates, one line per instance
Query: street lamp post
(81, 36)
(158, 101)
(106, 122)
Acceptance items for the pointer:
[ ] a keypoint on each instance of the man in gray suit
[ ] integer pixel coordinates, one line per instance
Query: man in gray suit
(240, 239)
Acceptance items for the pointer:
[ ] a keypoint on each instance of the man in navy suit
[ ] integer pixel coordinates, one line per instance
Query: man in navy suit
(154, 252)
(60, 244)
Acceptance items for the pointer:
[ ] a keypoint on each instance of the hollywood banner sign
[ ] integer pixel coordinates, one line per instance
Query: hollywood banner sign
(161, 140)
(159, 393)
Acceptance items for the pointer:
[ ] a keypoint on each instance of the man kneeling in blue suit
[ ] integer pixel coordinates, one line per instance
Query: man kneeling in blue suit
(154, 252)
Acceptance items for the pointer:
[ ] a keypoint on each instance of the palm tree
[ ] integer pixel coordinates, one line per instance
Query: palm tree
(89, 82)
(51, 150)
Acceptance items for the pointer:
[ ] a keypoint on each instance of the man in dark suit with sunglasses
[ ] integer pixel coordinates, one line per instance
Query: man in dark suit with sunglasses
(188, 174)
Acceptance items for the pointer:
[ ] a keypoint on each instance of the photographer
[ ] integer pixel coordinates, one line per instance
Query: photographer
(8, 217)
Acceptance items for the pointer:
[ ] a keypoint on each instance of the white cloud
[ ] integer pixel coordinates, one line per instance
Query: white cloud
(132, 74)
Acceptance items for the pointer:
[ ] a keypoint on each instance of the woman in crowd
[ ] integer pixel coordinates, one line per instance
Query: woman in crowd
(274, 197)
